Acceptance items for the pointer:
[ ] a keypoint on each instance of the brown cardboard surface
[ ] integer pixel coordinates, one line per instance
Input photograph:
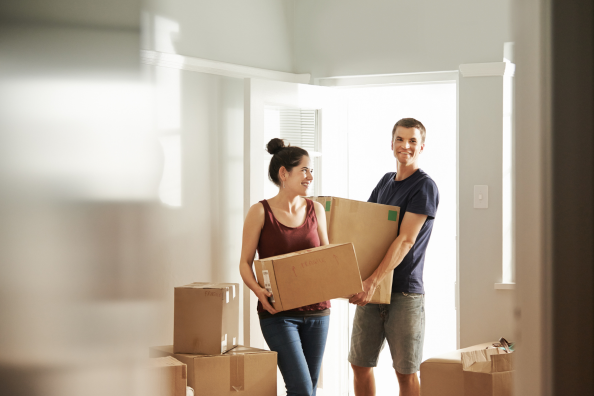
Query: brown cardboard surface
(503, 362)
(442, 375)
(167, 376)
(487, 372)
(311, 276)
(368, 226)
(250, 371)
(488, 384)
(206, 317)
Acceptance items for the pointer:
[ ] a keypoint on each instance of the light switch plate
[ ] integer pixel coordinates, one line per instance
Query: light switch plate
(481, 197)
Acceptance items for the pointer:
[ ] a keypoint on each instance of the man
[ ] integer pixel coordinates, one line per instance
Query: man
(402, 322)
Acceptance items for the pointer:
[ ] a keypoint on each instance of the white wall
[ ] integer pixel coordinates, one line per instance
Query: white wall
(201, 241)
(485, 313)
(351, 37)
(255, 33)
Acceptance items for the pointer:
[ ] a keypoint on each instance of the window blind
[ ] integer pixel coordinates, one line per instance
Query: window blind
(298, 127)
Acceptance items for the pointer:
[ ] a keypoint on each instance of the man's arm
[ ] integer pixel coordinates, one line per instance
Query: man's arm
(409, 230)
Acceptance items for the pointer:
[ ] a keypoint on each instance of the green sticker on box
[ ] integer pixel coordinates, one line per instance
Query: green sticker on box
(327, 206)
(392, 215)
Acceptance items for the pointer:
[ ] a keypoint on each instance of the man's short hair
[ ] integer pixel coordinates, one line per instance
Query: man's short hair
(410, 123)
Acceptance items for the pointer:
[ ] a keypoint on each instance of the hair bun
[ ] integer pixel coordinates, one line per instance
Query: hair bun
(275, 145)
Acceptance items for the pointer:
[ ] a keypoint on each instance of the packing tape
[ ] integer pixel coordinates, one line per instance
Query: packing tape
(392, 215)
(236, 371)
(267, 284)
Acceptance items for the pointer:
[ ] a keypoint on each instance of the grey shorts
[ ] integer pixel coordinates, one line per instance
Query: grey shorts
(402, 323)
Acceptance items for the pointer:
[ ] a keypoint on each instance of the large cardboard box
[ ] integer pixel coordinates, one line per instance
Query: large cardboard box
(442, 375)
(250, 371)
(167, 377)
(371, 228)
(487, 372)
(310, 276)
(206, 317)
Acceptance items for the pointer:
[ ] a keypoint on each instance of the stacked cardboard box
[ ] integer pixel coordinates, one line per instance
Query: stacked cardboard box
(371, 228)
(250, 371)
(205, 318)
(167, 377)
(205, 334)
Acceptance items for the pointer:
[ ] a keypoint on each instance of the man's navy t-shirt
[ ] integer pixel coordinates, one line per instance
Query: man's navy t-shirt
(416, 194)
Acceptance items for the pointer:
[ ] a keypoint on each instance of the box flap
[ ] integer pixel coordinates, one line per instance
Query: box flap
(210, 285)
(479, 355)
(487, 361)
(237, 349)
(480, 367)
(502, 362)
(164, 362)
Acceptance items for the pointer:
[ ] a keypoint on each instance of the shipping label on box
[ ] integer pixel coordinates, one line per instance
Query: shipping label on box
(251, 371)
(167, 376)
(488, 372)
(206, 317)
(310, 276)
(371, 228)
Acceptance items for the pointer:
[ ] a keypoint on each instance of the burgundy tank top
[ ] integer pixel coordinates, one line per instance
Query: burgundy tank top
(277, 238)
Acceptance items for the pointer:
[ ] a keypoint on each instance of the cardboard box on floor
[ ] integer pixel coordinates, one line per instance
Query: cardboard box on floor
(250, 371)
(310, 276)
(371, 228)
(442, 375)
(167, 376)
(206, 317)
(487, 372)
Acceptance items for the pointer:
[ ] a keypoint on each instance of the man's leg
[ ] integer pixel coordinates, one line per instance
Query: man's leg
(364, 381)
(367, 341)
(405, 330)
(409, 384)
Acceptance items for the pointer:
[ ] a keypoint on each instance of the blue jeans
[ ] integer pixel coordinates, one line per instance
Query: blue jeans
(300, 343)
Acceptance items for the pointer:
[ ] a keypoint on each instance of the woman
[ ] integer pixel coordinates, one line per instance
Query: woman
(284, 224)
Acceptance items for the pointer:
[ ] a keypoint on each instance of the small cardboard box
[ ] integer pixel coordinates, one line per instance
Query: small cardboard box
(487, 372)
(250, 371)
(167, 377)
(206, 317)
(310, 276)
(371, 228)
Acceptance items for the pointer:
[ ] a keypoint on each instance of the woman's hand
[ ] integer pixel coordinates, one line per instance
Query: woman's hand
(263, 295)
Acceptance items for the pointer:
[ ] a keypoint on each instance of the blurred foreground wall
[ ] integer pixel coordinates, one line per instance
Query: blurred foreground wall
(81, 244)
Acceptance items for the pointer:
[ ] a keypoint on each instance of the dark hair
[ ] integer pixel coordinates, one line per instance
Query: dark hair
(410, 123)
(287, 156)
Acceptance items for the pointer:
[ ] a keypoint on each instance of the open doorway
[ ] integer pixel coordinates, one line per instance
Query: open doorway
(372, 112)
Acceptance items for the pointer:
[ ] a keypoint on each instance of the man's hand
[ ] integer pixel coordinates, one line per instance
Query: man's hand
(263, 295)
(365, 296)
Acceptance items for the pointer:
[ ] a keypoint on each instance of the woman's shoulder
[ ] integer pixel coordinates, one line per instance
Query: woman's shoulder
(257, 210)
(317, 206)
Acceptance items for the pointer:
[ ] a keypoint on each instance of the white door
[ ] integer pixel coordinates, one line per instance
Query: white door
(262, 96)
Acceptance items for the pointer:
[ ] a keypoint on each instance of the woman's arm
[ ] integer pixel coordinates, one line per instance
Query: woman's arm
(254, 221)
(321, 216)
